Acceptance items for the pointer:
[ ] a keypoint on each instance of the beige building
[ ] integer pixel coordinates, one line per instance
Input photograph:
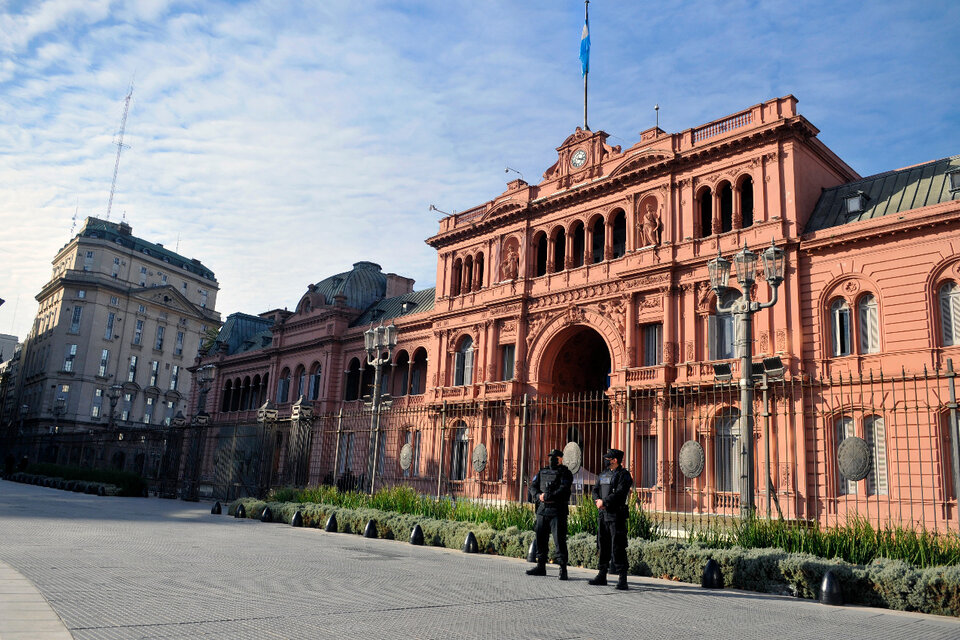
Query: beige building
(119, 322)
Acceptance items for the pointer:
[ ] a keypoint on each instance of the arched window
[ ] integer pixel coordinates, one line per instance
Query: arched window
(949, 297)
(721, 329)
(456, 276)
(725, 192)
(283, 386)
(255, 393)
(727, 451)
(245, 394)
(706, 212)
(746, 202)
(225, 400)
(478, 272)
(467, 274)
(301, 379)
(315, 372)
(352, 386)
(843, 428)
(541, 242)
(598, 231)
(869, 320)
(418, 373)
(875, 434)
(559, 249)
(619, 234)
(463, 363)
(578, 244)
(237, 395)
(459, 454)
(840, 327)
(366, 382)
(401, 373)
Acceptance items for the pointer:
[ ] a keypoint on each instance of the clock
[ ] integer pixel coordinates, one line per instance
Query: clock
(578, 159)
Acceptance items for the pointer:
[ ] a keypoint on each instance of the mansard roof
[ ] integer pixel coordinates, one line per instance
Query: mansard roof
(243, 332)
(398, 306)
(887, 194)
(361, 286)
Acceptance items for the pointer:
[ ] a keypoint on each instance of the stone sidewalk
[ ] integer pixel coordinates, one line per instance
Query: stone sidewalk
(148, 568)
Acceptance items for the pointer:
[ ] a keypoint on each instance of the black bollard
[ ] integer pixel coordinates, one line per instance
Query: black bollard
(297, 520)
(217, 509)
(370, 531)
(102, 492)
(241, 512)
(830, 590)
(532, 551)
(416, 536)
(331, 526)
(712, 577)
(470, 544)
(266, 515)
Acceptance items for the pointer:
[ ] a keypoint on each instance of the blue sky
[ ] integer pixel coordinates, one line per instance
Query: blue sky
(282, 141)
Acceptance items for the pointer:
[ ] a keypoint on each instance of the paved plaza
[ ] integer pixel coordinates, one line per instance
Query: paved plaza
(148, 568)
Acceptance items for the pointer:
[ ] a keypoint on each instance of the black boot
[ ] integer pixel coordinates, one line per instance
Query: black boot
(563, 572)
(601, 578)
(622, 582)
(539, 570)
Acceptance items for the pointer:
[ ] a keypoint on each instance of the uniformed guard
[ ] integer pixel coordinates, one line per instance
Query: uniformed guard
(550, 490)
(610, 494)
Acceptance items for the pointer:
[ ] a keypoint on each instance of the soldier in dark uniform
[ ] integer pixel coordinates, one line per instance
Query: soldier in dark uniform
(610, 493)
(550, 490)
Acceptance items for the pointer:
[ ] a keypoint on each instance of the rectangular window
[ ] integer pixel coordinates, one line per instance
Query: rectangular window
(71, 354)
(174, 377)
(81, 294)
(954, 180)
(88, 261)
(143, 276)
(108, 331)
(648, 462)
(127, 404)
(75, 321)
(158, 345)
(141, 309)
(104, 361)
(97, 406)
(203, 297)
(507, 359)
(841, 328)
(62, 399)
(163, 278)
(652, 344)
(114, 300)
(132, 372)
(115, 268)
(154, 372)
(148, 411)
(171, 408)
(844, 429)
(138, 332)
(178, 345)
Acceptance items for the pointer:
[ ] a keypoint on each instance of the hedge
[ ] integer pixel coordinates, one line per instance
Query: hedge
(882, 583)
(77, 486)
(130, 484)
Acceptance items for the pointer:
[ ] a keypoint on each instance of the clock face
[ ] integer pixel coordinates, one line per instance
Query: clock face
(578, 159)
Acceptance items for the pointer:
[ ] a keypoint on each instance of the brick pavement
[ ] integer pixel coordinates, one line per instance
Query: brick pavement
(149, 568)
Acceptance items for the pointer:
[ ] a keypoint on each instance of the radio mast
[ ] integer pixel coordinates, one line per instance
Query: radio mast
(119, 143)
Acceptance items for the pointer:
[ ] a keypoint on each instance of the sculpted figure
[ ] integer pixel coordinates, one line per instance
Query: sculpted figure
(651, 223)
(510, 266)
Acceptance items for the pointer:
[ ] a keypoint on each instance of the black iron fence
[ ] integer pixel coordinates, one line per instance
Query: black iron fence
(880, 448)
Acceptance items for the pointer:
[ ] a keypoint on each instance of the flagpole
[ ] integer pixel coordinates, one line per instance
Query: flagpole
(586, 20)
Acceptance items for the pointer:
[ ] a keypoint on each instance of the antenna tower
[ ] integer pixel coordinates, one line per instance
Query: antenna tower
(116, 167)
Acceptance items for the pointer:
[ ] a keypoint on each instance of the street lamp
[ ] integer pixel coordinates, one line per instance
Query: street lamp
(113, 394)
(376, 339)
(745, 263)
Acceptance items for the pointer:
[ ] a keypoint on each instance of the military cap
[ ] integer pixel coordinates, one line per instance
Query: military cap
(613, 454)
(556, 453)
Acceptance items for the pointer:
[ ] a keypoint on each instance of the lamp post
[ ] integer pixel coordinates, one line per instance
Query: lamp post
(191, 489)
(376, 339)
(745, 262)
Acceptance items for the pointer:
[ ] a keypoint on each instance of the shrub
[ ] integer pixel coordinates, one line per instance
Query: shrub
(129, 484)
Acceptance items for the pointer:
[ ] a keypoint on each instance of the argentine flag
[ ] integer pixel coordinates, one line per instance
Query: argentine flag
(585, 48)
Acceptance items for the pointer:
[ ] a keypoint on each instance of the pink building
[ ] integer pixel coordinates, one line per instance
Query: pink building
(579, 310)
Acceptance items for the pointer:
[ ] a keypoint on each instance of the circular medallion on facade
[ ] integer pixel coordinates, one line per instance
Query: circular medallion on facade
(479, 458)
(691, 459)
(572, 458)
(406, 456)
(853, 458)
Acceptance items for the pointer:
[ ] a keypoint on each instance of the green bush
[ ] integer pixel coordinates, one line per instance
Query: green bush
(129, 484)
(885, 583)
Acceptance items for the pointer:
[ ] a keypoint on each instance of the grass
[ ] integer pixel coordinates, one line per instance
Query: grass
(857, 541)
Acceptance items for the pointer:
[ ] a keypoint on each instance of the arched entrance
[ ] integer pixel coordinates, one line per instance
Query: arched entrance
(576, 369)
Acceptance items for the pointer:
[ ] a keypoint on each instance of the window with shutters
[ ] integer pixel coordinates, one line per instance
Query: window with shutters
(463, 363)
(840, 327)
(648, 461)
(949, 297)
(869, 320)
(843, 428)
(875, 435)
(507, 353)
(721, 329)
(652, 344)
(459, 454)
(726, 462)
